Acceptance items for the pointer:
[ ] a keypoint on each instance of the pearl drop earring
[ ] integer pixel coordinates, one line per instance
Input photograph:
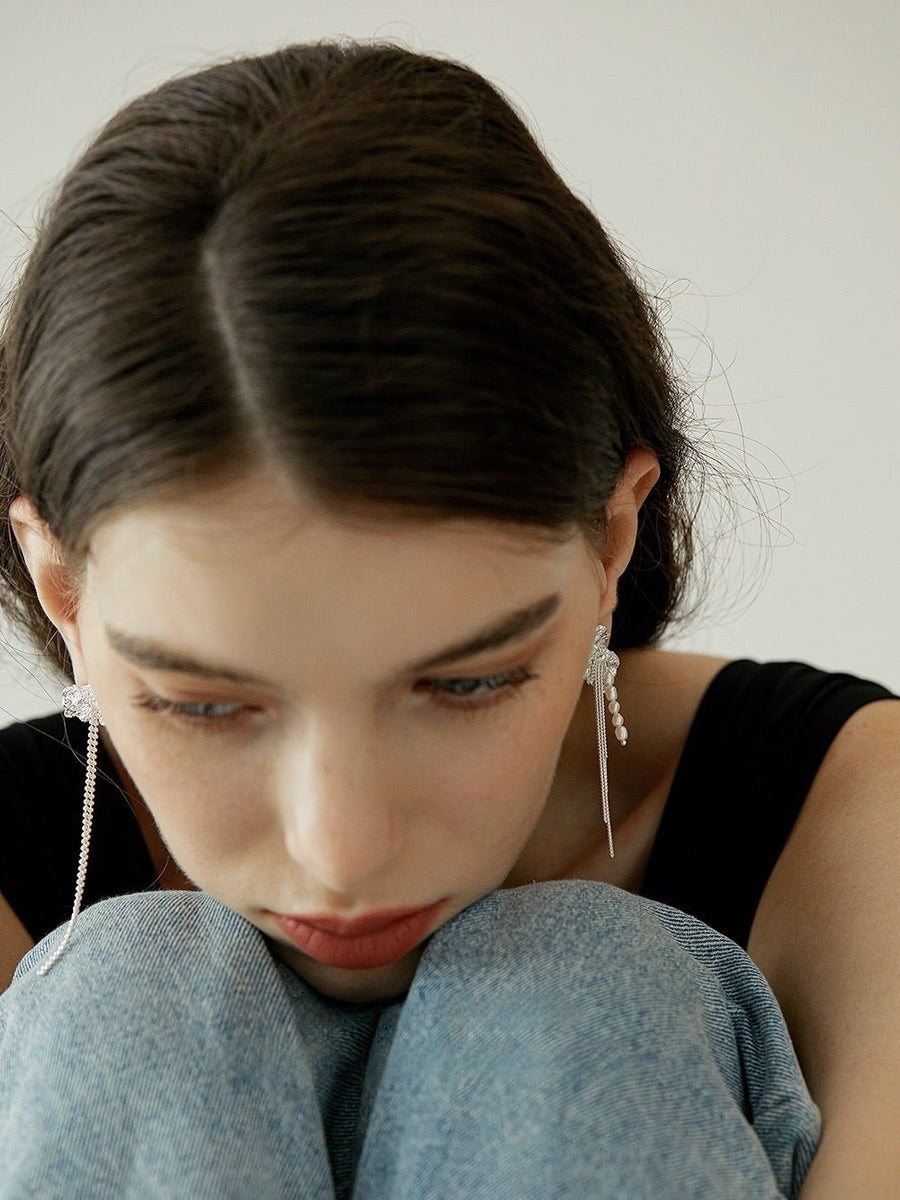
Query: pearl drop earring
(601, 674)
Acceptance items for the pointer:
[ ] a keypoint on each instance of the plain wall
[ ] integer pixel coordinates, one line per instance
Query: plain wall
(743, 155)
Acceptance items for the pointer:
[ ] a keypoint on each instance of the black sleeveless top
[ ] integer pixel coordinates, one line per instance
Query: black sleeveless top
(757, 740)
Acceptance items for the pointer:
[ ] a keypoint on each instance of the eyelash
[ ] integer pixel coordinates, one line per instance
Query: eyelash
(500, 687)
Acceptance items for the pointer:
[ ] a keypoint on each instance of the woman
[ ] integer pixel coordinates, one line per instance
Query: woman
(334, 423)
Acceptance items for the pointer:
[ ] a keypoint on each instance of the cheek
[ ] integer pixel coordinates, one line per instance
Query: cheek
(207, 803)
(210, 830)
(494, 786)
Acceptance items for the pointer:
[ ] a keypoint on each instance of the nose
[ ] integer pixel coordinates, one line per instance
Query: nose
(341, 817)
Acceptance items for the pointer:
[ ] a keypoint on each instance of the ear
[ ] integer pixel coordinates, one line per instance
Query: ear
(54, 582)
(636, 480)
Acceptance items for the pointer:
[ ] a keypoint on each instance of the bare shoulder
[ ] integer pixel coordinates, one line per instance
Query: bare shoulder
(868, 740)
(15, 942)
(825, 929)
(854, 798)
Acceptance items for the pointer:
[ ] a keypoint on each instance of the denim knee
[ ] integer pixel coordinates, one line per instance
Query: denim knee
(158, 1057)
(572, 1034)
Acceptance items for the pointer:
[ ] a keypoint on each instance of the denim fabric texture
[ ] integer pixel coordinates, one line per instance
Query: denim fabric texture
(563, 1039)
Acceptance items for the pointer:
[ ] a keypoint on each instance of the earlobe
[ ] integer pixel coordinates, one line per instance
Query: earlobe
(53, 581)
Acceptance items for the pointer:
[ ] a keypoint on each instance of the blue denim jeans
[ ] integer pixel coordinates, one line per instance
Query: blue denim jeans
(564, 1040)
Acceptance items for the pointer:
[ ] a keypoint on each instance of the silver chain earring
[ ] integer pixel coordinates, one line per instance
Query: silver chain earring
(601, 675)
(79, 701)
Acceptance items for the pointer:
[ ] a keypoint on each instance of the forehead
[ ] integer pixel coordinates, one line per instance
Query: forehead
(252, 567)
(260, 513)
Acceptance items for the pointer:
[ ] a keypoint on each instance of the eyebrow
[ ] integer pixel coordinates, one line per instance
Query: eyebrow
(512, 626)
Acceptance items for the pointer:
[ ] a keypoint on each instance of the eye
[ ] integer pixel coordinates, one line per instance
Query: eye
(207, 714)
(459, 695)
(481, 691)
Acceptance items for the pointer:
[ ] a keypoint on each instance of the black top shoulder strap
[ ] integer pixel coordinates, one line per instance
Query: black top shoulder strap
(758, 738)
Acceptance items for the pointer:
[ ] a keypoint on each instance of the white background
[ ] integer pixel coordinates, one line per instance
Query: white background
(744, 155)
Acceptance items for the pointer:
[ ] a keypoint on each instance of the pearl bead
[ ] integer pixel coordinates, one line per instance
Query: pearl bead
(615, 707)
(618, 720)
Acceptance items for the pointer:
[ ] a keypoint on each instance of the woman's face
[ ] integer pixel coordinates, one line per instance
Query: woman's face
(346, 775)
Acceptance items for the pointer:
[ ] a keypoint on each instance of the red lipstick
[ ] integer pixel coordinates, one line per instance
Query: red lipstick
(374, 940)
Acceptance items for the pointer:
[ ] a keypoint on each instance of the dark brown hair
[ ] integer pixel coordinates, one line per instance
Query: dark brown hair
(352, 261)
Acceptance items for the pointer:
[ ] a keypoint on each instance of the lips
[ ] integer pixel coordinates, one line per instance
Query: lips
(370, 923)
(373, 940)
